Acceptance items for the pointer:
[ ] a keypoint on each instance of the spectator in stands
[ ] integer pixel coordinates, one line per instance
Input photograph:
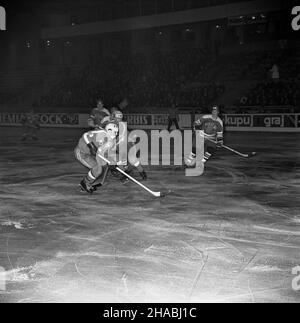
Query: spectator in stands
(274, 72)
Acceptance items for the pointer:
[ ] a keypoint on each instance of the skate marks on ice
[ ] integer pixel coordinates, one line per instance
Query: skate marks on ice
(142, 262)
(229, 235)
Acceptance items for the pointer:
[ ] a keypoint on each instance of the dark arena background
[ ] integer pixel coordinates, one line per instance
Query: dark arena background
(229, 235)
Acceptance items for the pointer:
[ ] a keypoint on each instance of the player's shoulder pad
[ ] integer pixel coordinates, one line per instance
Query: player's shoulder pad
(98, 131)
(106, 119)
(104, 110)
(98, 134)
(220, 121)
(95, 132)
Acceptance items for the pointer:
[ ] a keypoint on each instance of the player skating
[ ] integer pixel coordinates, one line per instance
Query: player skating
(210, 127)
(92, 145)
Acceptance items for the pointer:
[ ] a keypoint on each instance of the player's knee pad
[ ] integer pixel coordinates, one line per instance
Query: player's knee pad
(90, 178)
(97, 170)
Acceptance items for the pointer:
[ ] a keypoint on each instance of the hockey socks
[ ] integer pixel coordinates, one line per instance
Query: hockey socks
(206, 157)
(191, 160)
(86, 183)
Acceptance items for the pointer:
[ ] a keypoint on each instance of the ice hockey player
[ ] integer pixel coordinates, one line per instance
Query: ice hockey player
(31, 125)
(132, 159)
(93, 144)
(210, 127)
(97, 115)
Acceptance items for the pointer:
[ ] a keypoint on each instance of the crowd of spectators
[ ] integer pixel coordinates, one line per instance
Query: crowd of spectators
(272, 93)
(278, 86)
(9, 98)
(154, 81)
(201, 96)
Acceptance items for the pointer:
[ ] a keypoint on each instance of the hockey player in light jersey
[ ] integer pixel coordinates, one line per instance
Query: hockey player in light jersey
(97, 115)
(122, 137)
(91, 146)
(210, 127)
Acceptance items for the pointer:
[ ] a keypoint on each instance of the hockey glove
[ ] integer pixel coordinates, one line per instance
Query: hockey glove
(198, 125)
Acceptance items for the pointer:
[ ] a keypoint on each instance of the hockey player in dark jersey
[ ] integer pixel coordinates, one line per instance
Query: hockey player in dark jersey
(122, 137)
(97, 115)
(92, 145)
(211, 129)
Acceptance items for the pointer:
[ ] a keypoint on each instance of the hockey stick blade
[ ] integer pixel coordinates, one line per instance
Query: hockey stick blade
(164, 194)
(156, 194)
(252, 154)
(239, 153)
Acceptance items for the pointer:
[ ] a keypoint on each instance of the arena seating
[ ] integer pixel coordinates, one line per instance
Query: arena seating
(188, 78)
(156, 81)
(271, 93)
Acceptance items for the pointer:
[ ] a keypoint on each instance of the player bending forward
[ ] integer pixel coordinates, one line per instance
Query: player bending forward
(132, 159)
(211, 129)
(92, 145)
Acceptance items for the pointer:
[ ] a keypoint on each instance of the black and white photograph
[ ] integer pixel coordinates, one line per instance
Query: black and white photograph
(149, 154)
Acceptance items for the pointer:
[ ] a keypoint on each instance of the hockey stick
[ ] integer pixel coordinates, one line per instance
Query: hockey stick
(234, 151)
(156, 194)
(239, 153)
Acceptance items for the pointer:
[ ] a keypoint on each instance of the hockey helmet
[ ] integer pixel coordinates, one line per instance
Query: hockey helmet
(118, 115)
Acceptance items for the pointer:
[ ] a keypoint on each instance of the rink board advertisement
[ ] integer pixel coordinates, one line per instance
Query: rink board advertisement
(45, 119)
(262, 122)
(232, 122)
(156, 121)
